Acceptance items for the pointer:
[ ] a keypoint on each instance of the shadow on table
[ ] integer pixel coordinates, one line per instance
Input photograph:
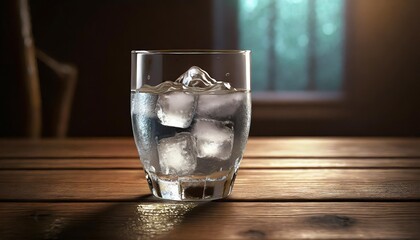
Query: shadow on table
(143, 218)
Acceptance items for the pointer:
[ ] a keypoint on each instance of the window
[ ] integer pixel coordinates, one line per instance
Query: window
(297, 45)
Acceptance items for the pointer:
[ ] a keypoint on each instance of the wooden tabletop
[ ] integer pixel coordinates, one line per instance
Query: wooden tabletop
(345, 188)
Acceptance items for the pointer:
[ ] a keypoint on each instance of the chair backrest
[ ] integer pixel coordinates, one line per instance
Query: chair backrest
(44, 111)
(29, 69)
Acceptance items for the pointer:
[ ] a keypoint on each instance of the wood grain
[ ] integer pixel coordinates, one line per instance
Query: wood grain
(258, 185)
(68, 148)
(335, 188)
(77, 163)
(247, 163)
(333, 147)
(257, 147)
(169, 220)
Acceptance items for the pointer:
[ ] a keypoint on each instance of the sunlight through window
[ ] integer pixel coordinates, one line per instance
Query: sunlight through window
(297, 44)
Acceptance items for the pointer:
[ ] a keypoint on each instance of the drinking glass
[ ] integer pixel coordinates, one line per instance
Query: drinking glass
(190, 112)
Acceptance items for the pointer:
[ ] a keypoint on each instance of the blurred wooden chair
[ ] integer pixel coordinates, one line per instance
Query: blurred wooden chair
(52, 121)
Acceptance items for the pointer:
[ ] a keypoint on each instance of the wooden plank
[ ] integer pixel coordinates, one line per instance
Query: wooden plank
(257, 147)
(247, 163)
(334, 147)
(261, 163)
(69, 148)
(221, 220)
(259, 185)
(76, 163)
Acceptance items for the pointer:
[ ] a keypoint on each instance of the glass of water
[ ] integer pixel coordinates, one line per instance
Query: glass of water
(190, 113)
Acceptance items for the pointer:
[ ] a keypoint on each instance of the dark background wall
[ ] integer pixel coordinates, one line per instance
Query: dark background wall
(98, 36)
(382, 62)
(383, 67)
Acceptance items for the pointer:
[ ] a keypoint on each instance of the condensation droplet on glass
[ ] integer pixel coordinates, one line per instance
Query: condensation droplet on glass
(227, 74)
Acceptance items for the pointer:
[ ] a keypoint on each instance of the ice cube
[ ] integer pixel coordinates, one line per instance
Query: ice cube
(196, 77)
(177, 154)
(176, 109)
(219, 105)
(214, 138)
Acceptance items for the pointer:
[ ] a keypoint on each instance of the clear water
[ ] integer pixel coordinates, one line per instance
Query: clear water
(199, 156)
(149, 133)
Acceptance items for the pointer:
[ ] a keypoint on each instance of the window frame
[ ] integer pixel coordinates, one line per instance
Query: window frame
(303, 105)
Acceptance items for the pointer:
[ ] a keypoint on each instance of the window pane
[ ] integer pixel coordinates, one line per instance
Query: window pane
(329, 44)
(253, 35)
(292, 44)
(297, 44)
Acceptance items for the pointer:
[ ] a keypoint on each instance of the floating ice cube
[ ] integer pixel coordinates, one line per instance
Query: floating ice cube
(196, 77)
(176, 109)
(177, 154)
(219, 105)
(214, 138)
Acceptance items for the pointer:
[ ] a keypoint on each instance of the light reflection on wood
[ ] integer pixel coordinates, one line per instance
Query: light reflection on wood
(156, 219)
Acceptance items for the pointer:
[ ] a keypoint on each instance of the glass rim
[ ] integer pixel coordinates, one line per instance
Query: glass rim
(188, 52)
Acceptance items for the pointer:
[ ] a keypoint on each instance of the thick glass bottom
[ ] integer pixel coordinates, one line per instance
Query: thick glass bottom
(192, 188)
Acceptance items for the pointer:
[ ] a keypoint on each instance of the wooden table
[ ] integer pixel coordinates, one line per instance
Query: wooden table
(286, 188)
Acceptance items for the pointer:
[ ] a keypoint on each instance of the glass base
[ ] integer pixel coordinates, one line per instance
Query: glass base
(192, 188)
